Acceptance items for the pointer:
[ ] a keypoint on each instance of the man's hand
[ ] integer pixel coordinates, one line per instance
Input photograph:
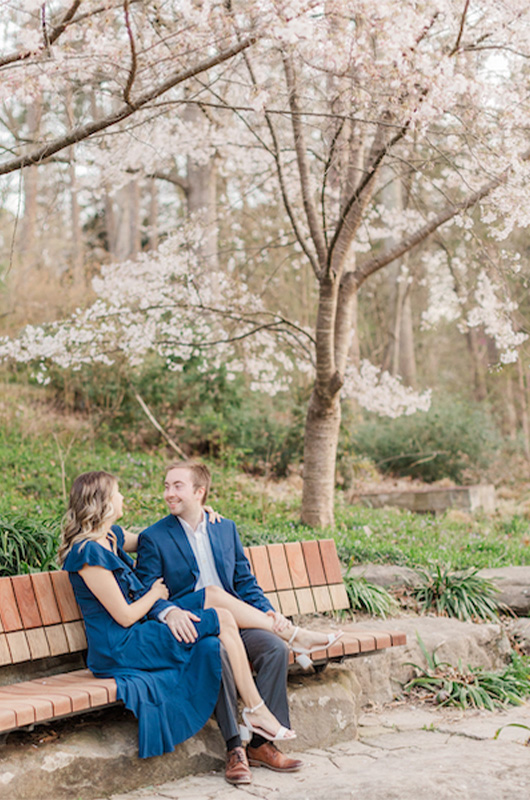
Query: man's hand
(280, 623)
(180, 622)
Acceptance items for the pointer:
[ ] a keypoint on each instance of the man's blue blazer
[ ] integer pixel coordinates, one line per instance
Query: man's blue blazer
(164, 551)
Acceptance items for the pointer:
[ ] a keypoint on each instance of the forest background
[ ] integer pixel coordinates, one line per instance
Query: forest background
(293, 236)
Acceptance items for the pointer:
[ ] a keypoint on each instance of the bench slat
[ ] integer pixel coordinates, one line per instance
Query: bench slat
(322, 597)
(295, 560)
(339, 596)
(259, 559)
(45, 597)
(288, 604)
(24, 712)
(64, 593)
(57, 640)
(313, 563)
(279, 567)
(8, 607)
(328, 551)
(26, 602)
(5, 653)
(38, 643)
(59, 704)
(18, 647)
(305, 600)
(75, 634)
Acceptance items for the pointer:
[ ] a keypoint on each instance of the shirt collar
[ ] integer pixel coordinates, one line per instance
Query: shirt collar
(201, 527)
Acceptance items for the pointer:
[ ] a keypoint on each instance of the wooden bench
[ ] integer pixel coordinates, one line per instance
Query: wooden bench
(42, 635)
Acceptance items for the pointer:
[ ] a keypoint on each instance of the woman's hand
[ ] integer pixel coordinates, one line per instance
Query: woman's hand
(213, 516)
(159, 589)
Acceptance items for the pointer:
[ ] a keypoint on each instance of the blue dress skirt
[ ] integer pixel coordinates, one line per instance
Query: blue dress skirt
(171, 687)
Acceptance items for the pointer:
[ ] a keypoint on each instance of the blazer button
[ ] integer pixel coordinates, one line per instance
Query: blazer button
(131, 594)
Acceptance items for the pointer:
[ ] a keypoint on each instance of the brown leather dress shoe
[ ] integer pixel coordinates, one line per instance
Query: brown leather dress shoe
(267, 755)
(237, 770)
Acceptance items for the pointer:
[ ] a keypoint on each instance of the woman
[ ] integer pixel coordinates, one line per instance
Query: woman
(172, 687)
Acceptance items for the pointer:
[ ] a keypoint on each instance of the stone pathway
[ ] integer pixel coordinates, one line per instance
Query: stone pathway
(403, 752)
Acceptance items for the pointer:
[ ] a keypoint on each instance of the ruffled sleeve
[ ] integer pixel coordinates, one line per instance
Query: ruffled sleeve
(90, 553)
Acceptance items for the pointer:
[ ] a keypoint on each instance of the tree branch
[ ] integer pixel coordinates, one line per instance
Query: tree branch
(303, 167)
(132, 69)
(48, 39)
(372, 265)
(355, 198)
(85, 131)
(152, 419)
(325, 176)
(283, 189)
(461, 31)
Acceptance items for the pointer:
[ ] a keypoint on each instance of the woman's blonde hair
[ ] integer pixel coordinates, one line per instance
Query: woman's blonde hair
(89, 510)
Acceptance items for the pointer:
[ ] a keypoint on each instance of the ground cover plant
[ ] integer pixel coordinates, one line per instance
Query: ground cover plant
(463, 594)
(445, 684)
(368, 597)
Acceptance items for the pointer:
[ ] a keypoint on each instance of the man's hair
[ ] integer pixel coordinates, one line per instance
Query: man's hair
(200, 475)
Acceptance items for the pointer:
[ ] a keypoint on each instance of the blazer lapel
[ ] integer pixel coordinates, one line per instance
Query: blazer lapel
(177, 534)
(216, 541)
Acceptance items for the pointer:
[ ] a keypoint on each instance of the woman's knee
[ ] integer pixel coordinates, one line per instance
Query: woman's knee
(214, 595)
(227, 622)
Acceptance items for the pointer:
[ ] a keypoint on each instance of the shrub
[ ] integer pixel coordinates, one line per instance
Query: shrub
(445, 442)
(464, 594)
(478, 688)
(366, 596)
(27, 545)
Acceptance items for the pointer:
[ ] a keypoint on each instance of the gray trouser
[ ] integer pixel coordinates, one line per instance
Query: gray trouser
(269, 657)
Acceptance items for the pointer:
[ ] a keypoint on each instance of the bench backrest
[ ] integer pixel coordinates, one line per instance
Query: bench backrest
(300, 577)
(40, 618)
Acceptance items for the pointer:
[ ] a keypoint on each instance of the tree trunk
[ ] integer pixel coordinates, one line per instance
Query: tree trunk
(28, 239)
(407, 356)
(123, 215)
(320, 451)
(477, 359)
(202, 199)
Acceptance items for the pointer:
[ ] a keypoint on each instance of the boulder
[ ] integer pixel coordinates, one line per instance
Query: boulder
(382, 675)
(514, 585)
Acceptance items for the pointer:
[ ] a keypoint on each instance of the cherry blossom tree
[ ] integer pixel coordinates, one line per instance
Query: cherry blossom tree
(321, 106)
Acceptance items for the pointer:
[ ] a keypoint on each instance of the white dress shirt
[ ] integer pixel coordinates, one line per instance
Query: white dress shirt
(202, 550)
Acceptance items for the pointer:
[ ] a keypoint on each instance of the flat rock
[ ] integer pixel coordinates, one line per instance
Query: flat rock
(514, 586)
(382, 675)
(97, 754)
(387, 575)
(513, 582)
(403, 753)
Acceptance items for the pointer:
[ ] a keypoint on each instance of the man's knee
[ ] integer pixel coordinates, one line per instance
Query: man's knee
(268, 650)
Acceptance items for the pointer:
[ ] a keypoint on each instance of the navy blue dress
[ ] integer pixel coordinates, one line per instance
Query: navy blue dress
(170, 686)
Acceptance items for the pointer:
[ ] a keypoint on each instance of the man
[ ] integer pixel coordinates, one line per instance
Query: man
(190, 553)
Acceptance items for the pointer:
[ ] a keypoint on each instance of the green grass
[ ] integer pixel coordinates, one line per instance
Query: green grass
(30, 465)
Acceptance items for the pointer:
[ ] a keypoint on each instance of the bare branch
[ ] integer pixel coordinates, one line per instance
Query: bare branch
(48, 39)
(325, 176)
(303, 167)
(372, 265)
(283, 189)
(85, 131)
(461, 31)
(132, 69)
(152, 419)
(355, 199)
